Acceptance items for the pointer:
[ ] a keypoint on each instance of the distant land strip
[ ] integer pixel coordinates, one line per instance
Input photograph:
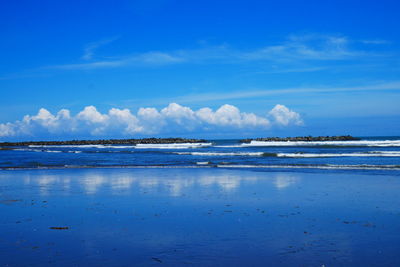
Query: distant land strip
(106, 142)
(172, 141)
(302, 138)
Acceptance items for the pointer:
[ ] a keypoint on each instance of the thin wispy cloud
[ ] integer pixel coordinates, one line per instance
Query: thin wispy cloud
(375, 42)
(24, 75)
(89, 50)
(295, 48)
(246, 94)
(291, 70)
(307, 47)
(148, 58)
(91, 65)
(145, 59)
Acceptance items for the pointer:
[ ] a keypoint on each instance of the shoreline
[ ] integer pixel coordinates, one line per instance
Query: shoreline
(282, 168)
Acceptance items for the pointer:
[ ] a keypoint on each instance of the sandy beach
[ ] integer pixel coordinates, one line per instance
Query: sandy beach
(199, 217)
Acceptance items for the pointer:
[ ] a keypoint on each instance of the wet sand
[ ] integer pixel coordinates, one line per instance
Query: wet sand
(199, 217)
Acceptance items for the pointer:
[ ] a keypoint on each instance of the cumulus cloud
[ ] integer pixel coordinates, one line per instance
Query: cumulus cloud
(283, 116)
(173, 119)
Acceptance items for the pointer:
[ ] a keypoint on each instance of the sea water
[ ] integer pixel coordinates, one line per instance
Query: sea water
(368, 153)
(221, 203)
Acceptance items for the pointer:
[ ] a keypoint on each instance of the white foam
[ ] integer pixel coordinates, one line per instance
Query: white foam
(328, 166)
(221, 153)
(83, 146)
(384, 152)
(203, 163)
(329, 155)
(173, 145)
(230, 146)
(31, 150)
(379, 143)
(38, 150)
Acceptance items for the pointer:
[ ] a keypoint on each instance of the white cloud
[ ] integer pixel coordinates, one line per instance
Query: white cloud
(6, 129)
(207, 97)
(145, 59)
(375, 42)
(151, 120)
(295, 48)
(283, 116)
(90, 48)
(228, 115)
(173, 119)
(90, 115)
(306, 47)
(157, 58)
(92, 65)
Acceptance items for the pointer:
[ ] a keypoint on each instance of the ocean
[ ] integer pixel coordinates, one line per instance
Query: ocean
(369, 153)
(220, 203)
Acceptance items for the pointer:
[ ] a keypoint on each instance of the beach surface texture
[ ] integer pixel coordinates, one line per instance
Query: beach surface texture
(214, 203)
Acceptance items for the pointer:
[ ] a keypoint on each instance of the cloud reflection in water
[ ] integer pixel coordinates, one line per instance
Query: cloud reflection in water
(176, 184)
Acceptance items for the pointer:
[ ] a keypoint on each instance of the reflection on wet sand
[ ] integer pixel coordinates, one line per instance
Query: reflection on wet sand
(285, 180)
(92, 182)
(201, 217)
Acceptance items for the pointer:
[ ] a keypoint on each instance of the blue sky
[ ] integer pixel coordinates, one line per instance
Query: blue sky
(332, 67)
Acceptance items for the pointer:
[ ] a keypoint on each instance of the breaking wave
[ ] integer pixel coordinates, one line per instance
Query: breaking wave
(82, 146)
(296, 155)
(330, 155)
(173, 146)
(326, 166)
(223, 153)
(377, 143)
